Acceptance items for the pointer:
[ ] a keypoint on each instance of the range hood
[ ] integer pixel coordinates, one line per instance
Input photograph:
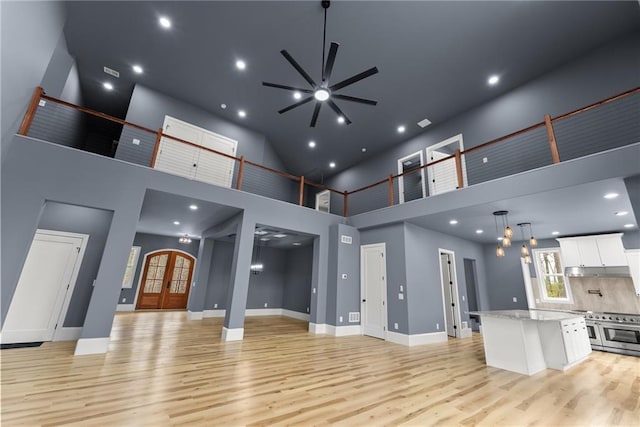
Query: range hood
(622, 271)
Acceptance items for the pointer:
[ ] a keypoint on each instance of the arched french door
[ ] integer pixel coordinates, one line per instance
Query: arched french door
(166, 281)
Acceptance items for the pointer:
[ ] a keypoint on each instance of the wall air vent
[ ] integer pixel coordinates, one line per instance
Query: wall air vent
(346, 239)
(354, 317)
(424, 123)
(111, 72)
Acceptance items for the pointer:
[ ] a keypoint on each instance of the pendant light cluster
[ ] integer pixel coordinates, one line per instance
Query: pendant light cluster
(507, 235)
(185, 239)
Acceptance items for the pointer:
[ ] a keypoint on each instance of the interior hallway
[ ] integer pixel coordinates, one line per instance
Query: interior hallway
(164, 370)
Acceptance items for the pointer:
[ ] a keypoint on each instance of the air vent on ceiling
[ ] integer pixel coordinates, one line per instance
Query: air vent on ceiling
(111, 72)
(424, 123)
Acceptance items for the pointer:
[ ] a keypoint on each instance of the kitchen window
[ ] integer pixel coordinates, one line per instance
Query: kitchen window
(554, 287)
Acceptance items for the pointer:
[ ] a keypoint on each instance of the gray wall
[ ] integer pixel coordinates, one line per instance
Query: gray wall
(149, 107)
(343, 294)
(297, 280)
(78, 219)
(603, 73)
(150, 243)
(29, 34)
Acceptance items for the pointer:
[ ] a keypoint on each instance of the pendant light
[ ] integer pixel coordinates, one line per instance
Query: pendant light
(184, 239)
(499, 249)
(533, 242)
(524, 251)
(508, 231)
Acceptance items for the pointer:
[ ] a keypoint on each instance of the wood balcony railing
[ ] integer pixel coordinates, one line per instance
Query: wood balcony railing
(373, 192)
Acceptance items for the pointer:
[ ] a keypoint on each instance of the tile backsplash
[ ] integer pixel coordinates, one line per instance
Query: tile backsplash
(618, 295)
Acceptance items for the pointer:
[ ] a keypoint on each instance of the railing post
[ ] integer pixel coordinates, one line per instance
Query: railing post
(459, 168)
(156, 148)
(552, 139)
(301, 195)
(390, 190)
(345, 206)
(240, 173)
(31, 111)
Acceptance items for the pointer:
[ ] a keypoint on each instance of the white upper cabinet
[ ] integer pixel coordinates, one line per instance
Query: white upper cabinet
(593, 251)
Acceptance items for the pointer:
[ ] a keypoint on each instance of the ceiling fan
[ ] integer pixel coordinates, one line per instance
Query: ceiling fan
(324, 92)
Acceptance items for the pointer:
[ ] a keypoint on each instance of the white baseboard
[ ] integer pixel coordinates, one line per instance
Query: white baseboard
(263, 312)
(214, 313)
(126, 307)
(343, 331)
(91, 346)
(235, 334)
(416, 339)
(295, 314)
(67, 334)
(465, 333)
(195, 315)
(317, 328)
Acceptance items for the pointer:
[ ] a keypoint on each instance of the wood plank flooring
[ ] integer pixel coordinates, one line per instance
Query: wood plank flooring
(163, 370)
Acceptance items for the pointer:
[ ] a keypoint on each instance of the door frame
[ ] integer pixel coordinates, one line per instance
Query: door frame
(144, 262)
(322, 193)
(64, 308)
(456, 314)
(454, 139)
(363, 316)
(401, 180)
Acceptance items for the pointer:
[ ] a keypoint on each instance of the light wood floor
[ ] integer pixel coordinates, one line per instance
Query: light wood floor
(164, 370)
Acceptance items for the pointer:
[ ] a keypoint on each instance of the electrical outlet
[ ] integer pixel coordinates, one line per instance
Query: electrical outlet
(265, 304)
(124, 300)
(307, 309)
(340, 319)
(485, 160)
(515, 299)
(215, 305)
(438, 326)
(400, 296)
(395, 326)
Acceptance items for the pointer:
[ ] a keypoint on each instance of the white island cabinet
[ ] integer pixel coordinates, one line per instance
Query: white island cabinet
(529, 341)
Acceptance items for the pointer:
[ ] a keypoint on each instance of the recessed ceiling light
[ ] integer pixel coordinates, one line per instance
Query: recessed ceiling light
(312, 144)
(261, 232)
(493, 80)
(621, 213)
(628, 226)
(611, 195)
(240, 64)
(164, 22)
(137, 69)
(479, 231)
(453, 222)
(279, 236)
(340, 119)
(242, 113)
(332, 165)
(555, 233)
(296, 243)
(364, 149)
(401, 129)
(176, 222)
(193, 207)
(223, 106)
(265, 239)
(321, 94)
(297, 95)
(107, 86)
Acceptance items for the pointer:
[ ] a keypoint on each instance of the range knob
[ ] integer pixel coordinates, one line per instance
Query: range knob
(617, 318)
(624, 319)
(597, 317)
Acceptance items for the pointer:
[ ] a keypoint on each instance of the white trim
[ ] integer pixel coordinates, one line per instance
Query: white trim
(417, 339)
(457, 138)
(363, 313)
(214, 313)
(528, 287)
(541, 287)
(317, 328)
(466, 333)
(343, 331)
(263, 312)
(91, 346)
(320, 194)
(295, 314)
(235, 334)
(126, 307)
(144, 262)
(401, 179)
(68, 334)
(134, 267)
(456, 297)
(195, 315)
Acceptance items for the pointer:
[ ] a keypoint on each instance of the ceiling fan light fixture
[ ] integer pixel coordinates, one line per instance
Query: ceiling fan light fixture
(321, 94)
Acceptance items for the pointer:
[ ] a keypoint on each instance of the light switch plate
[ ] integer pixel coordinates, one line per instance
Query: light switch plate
(42, 103)
(400, 296)
(340, 319)
(401, 288)
(215, 305)
(136, 141)
(395, 326)
(485, 160)
(515, 299)
(314, 290)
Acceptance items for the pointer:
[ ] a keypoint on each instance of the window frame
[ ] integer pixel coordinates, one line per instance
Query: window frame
(541, 275)
(134, 267)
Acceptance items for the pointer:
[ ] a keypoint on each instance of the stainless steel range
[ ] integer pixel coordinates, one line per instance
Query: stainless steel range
(614, 332)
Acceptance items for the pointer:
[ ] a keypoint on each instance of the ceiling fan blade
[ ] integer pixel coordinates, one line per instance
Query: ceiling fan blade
(338, 111)
(316, 111)
(354, 79)
(354, 99)
(279, 86)
(297, 104)
(333, 50)
(298, 68)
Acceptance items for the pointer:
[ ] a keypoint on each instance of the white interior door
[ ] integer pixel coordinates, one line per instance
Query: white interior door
(44, 289)
(214, 168)
(443, 177)
(323, 201)
(373, 290)
(450, 293)
(176, 157)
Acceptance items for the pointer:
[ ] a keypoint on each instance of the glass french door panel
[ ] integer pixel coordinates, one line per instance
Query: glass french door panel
(180, 275)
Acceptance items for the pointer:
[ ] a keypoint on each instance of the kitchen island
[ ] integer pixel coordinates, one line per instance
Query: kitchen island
(529, 341)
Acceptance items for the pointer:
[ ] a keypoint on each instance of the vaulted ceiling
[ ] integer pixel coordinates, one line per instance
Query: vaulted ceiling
(433, 59)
